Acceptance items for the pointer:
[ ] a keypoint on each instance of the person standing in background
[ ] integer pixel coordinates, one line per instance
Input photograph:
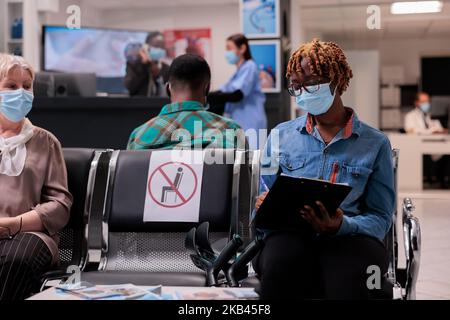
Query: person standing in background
(418, 121)
(242, 95)
(147, 73)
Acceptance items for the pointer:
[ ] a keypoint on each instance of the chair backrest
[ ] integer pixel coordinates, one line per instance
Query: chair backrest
(253, 165)
(134, 245)
(80, 165)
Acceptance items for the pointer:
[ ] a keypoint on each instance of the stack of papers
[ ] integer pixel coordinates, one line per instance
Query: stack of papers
(111, 292)
(87, 291)
(217, 294)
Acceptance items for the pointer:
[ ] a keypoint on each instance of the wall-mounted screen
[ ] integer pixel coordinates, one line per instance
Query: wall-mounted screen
(90, 50)
(266, 54)
(260, 18)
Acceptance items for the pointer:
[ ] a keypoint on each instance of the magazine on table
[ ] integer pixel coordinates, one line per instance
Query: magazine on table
(121, 291)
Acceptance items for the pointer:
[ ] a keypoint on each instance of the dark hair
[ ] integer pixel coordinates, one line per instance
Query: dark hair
(326, 60)
(189, 70)
(239, 40)
(152, 35)
(418, 94)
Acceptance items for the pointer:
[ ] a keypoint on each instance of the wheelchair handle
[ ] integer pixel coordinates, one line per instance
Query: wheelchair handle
(249, 253)
(227, 253)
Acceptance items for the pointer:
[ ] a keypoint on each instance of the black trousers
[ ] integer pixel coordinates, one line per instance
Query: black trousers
(23, 260)
(293, 265)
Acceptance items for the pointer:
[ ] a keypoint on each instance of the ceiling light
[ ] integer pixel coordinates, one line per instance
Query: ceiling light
(416, 7)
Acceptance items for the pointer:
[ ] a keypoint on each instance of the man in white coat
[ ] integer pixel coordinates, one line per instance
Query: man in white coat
(418, 121)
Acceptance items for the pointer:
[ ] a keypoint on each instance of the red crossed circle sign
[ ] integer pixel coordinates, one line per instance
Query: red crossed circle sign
(162, 170)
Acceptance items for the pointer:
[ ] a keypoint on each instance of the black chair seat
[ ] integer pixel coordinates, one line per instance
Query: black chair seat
(145, 278)
(251, 282)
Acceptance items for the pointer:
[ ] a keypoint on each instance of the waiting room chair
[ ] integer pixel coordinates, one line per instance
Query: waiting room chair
(153, 253)
(83, 169)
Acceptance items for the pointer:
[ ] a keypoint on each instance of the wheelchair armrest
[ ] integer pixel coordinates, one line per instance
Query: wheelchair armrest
(412, 242)
(53, 275)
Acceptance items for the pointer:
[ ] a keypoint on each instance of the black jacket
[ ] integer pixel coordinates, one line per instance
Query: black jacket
(138, 76)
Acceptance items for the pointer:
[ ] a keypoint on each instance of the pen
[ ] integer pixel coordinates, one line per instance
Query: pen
(266, 188)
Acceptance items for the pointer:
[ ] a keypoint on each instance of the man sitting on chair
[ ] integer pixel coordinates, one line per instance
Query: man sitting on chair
(185, 122)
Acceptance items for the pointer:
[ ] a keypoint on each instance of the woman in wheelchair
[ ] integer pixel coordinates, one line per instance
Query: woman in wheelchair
(34, 198)
(329, 256)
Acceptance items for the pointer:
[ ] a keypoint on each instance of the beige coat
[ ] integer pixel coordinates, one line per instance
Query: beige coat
(42, 186)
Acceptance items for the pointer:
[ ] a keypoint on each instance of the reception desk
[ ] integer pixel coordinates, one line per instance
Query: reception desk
(412, 148)
(106, 122)
(97, 122)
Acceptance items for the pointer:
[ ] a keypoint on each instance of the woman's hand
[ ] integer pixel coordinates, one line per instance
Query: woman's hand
(321, 221)
(9, 226)
(260, 199)
(144, 56)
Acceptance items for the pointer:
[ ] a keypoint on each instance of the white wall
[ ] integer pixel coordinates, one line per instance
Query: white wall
(35, 19)
(90, 16)
(222, 19)
(363, 93)
(3, 26)
(405, 52)
(298, 36)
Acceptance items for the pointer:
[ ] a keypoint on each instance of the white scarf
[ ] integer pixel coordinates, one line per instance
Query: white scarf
(13, 151)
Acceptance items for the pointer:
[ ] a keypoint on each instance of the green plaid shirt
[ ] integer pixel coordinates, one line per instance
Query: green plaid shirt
(187, 125)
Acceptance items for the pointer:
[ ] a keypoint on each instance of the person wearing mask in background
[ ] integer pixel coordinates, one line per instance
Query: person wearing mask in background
(242, 95)
(418, 121)
(328, 253)
(188, 86)
(34, 197)
(147, 73)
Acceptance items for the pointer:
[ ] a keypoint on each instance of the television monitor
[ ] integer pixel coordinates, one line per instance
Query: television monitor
(90, 50)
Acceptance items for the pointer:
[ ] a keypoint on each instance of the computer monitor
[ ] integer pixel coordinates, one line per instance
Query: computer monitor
(54, 84)
(44, 85)
(440, 109)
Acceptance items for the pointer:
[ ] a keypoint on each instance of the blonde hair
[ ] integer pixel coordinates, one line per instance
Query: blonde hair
(8, 62)
(327, 59)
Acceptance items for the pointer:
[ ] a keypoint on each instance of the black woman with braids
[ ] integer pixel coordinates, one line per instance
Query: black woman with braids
(329, 255)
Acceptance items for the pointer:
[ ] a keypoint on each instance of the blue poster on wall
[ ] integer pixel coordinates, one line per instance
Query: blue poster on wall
(260, 18)
(266, 54)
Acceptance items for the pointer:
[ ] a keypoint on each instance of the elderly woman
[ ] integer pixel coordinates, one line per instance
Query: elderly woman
(34, 199)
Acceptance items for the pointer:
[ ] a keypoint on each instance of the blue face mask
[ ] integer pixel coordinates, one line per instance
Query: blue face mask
(425, 107)
(157, 54)
(318, 102)
(15, 105)
(231, 57)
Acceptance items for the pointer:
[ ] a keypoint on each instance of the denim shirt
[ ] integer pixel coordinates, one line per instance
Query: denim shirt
(359, 155)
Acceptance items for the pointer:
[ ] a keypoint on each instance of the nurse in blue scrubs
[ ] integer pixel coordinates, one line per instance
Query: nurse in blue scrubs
(242, 95)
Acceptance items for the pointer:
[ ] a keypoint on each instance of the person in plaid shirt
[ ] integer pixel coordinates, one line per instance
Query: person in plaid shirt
(185, 122)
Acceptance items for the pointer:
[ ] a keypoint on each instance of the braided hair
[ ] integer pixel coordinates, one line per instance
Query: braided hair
(327, 60)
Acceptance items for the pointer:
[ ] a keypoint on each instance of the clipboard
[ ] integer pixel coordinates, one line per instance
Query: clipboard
(281, 207)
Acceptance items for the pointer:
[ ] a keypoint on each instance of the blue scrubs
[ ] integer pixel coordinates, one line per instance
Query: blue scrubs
(249, 112)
